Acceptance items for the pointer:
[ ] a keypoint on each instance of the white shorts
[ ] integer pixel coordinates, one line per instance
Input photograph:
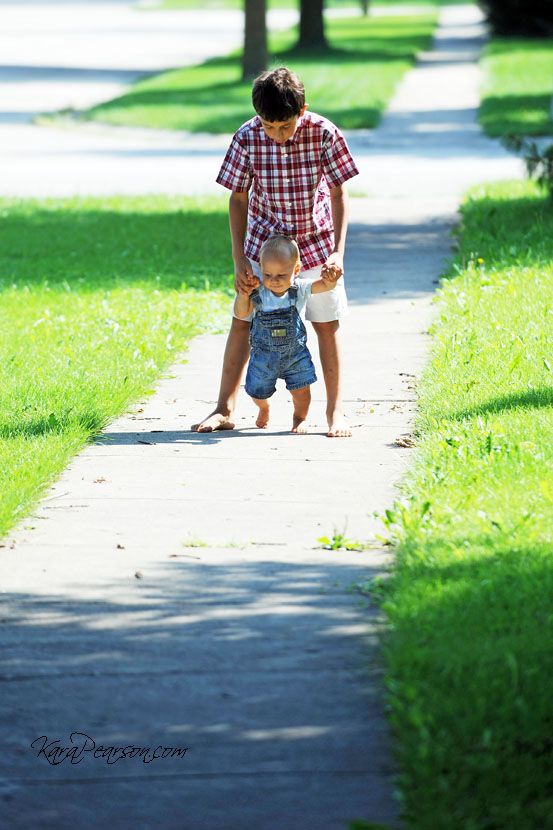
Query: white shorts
(321, 308)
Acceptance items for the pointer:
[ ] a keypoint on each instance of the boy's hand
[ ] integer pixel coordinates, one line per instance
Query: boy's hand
(244, 280)
(333, 267)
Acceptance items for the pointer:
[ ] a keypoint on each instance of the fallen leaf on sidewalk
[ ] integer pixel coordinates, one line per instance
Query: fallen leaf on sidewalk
(99, 480)
(120, 547)
(404, 442)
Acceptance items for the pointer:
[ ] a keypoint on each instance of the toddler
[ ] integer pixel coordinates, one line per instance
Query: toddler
(278, 337)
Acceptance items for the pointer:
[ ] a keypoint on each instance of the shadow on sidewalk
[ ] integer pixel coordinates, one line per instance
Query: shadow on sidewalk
(261, 669)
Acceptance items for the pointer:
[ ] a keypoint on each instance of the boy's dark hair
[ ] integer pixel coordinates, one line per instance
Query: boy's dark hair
(278, 95)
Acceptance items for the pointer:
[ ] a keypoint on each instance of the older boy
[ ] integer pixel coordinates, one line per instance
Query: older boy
(286, 169)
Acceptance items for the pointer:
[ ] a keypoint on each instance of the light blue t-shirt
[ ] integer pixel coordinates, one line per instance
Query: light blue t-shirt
(270, 301)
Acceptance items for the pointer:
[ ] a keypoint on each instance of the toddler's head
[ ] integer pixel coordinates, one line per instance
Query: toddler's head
(279, 258)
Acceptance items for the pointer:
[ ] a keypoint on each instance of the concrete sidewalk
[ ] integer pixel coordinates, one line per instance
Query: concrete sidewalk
(170, 591)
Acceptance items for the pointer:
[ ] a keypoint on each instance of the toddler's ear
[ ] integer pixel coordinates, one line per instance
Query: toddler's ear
(297, 269)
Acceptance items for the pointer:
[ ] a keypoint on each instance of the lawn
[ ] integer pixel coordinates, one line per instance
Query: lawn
(469, 644)
(98, 297)
(518, 87)
(350, 84)
(291, 4)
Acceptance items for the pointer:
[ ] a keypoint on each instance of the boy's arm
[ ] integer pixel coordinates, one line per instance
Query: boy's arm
(339, 204)
(238, 221)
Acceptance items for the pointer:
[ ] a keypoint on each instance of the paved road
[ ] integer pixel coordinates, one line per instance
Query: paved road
(75, 54)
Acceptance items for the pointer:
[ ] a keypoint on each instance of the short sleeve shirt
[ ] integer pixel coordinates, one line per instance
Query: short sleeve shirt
(289, 183)
(270, 301)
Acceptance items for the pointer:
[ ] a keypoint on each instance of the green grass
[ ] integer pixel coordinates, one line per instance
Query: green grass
(98, 296)
(351, 84)
(518, 87)
(293, 4)
(469, 646)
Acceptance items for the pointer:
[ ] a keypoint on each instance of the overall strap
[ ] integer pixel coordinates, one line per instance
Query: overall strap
(255, 297)
(293, 295)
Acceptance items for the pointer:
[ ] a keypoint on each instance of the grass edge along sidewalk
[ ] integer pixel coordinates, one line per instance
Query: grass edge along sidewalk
(99, 296)
(469, 645)
(351, 83)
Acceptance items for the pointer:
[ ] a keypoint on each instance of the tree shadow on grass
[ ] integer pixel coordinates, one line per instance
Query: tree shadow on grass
(88, 246)
(227, 88)
(532, 399)
(519, 114)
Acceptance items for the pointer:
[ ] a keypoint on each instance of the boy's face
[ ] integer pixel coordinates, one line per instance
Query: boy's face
(278, 274)
(281, 131)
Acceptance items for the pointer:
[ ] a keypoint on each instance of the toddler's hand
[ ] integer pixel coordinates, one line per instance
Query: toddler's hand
(333, 268)
(249, 289)
(331, 273)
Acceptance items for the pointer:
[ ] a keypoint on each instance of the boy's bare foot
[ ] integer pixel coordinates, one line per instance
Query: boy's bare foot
(337, 426)
(262, 419)
(217, 420)
(299, 425)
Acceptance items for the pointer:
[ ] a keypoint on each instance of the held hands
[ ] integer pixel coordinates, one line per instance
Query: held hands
(244, 279)
(333, 268)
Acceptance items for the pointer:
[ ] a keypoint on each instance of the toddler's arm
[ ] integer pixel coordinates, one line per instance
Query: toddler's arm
(327, 281)
(242, 304)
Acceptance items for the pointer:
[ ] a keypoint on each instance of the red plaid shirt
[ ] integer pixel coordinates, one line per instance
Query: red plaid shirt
(289, 183)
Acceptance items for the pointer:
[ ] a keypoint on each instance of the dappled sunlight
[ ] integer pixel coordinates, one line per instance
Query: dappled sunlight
(262, 677)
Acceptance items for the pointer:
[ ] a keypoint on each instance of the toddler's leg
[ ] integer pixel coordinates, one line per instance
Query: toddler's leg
(263, 415)
(302, 399)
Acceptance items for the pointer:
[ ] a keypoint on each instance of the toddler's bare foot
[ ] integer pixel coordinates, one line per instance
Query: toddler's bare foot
(299, 425)
(337, 426)
(217, 420)
(262, 420)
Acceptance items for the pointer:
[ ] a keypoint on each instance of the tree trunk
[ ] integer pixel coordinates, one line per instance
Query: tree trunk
(365, 7)
(312, 33)
(254, 61)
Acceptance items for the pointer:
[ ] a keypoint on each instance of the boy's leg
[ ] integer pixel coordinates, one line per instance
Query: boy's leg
(302, 399)
(236, 355)
(262, 419)
(331, 362)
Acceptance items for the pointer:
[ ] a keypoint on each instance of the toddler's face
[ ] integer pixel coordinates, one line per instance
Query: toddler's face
(278, 274)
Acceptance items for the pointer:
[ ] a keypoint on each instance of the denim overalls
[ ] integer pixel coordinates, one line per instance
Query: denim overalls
(279, 349)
